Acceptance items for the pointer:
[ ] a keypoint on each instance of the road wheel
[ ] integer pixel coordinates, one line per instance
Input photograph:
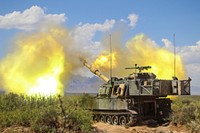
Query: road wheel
(96, 118)
(108, 119)
(115, 120)
(131, 120)
(122, 120)
(102, 118)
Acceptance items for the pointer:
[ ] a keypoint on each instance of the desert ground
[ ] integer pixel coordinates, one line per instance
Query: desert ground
(107, 128)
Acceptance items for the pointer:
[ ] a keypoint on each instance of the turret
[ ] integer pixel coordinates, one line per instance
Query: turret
(94, 70)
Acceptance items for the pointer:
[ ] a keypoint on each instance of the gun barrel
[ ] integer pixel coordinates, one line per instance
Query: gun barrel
(94, 70)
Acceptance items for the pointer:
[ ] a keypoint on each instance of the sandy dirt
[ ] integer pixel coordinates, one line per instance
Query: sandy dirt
(107, 128)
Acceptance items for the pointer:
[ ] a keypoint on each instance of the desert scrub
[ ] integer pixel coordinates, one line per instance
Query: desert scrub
(41, 114)
(76, 115)
(186, 111)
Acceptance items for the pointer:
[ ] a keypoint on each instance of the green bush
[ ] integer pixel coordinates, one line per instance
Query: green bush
(40, 114)
(77, 113)
(186, 111)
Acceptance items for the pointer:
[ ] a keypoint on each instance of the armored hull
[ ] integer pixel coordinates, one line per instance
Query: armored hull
(137, 97)
(128, 111)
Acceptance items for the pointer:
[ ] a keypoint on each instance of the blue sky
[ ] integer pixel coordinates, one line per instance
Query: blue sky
(158, 19)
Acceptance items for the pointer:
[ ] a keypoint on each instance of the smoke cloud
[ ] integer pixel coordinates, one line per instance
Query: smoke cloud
(41, 62)
(143, 51)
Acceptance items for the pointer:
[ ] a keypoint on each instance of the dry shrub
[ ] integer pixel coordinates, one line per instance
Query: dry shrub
(40, 114)
(186, 111)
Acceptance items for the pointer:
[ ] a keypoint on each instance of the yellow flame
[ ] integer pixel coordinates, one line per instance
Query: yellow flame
(36, 64)
(103, 61)
(143, 51)
(172, 97)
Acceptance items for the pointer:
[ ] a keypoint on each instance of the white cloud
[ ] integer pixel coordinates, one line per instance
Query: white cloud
(84, 34)
(193, 71)
(122, 20)
(87, 31)
(190, 53)
(168, 44)
(133, 19)
(29, 18)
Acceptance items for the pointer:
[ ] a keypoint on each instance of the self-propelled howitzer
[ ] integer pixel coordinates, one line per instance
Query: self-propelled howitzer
(139, 96)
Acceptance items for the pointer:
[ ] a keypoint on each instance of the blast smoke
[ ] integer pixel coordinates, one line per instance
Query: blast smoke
(141, 50)
(39, 62)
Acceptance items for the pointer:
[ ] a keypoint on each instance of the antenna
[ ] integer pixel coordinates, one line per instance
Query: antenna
(174, 56)
(110, 58)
